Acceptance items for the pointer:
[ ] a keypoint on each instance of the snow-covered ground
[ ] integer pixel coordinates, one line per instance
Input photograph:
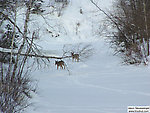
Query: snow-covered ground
(101, 84)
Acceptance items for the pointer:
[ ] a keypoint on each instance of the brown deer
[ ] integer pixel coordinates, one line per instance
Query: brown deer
(75, 57)
(60, 64)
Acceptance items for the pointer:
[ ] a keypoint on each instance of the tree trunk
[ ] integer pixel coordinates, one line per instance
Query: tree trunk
(146, 28)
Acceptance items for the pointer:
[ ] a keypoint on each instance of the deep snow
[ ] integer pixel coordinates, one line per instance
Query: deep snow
(101, 84)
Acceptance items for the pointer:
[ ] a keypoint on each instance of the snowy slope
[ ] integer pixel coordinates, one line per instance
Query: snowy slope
(101, 84)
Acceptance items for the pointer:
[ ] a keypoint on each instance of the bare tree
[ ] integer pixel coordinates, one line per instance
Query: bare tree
(15, 81)
(15, 84)
(130, 36)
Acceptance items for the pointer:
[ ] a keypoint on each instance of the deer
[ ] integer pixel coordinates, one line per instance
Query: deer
(75, 57)
(60, 64)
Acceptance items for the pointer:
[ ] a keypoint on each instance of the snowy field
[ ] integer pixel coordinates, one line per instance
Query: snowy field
(100, 84)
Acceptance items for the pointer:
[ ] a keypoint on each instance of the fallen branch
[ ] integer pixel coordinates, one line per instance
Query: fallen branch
(37, 56)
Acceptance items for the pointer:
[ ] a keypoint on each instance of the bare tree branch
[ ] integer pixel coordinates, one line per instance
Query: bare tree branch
(6, 16)
(37, 56)
(108, 17)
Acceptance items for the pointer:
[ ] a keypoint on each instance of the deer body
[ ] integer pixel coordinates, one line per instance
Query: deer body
(60, 64)
(75, 57)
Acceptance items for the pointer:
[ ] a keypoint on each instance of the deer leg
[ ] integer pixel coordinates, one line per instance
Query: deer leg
(61, 67)
(64, 66)
(76, 59)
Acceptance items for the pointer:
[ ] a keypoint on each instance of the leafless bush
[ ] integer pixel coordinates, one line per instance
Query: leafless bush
(84, 50)
(15, 90)
(60, 5)
(130, 34)
(133, 54)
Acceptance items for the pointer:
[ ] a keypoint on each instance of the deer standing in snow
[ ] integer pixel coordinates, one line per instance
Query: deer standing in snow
(75, 57)
(60, 64)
